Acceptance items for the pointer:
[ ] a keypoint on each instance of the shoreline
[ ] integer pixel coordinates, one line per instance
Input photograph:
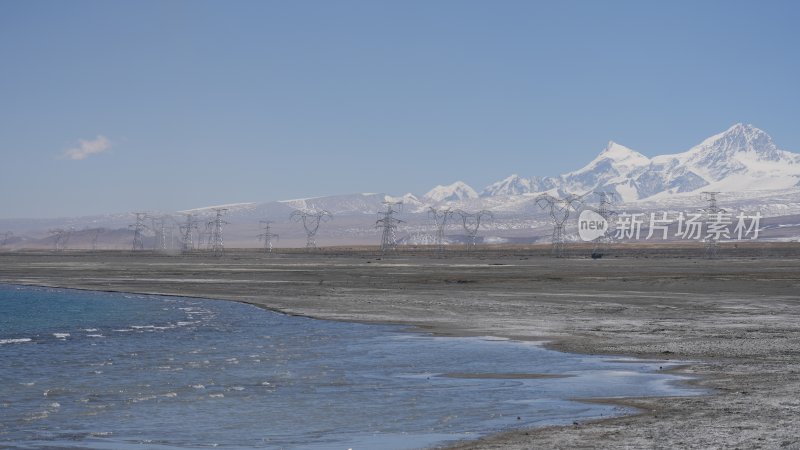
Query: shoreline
(457, 286)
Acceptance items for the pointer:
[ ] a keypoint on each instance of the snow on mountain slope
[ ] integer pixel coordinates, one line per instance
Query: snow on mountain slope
(341, 204)
(452, 192)
(410, 202)
(612, 169)
(742, 158)
(614, 162)
(210, 209)
(513, 185)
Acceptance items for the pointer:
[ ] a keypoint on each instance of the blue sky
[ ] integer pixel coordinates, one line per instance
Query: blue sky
(204, 103)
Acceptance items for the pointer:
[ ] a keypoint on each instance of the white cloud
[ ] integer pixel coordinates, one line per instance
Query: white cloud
(88, 148)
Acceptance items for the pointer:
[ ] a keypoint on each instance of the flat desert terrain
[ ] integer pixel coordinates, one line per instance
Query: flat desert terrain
(735, 320)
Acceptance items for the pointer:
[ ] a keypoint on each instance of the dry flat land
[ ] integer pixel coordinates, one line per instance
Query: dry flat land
(737, 319)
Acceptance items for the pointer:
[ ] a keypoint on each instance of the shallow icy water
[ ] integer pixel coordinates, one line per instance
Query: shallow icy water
(98, 370)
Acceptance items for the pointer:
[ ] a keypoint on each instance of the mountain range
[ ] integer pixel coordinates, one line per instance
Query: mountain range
(742, 158)
(742, 163)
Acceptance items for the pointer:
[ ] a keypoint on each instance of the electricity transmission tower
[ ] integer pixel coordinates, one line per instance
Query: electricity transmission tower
(187, 230)
(267, 236)
(389, 225)
(138, 231)
(61, 238)
(311, 220)
(439, 218)
(170, 232)
(203, 236)
(606, 201)
(159, 227)
(95, 236)
(711, 214)
(215, 239)
(559, 209)
(5, 236)
(472, 222)
(58, 235)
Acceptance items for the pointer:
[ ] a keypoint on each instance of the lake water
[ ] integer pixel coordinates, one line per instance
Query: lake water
(101, 370)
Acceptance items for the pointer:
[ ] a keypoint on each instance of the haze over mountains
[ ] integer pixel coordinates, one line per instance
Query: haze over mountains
(742, 163)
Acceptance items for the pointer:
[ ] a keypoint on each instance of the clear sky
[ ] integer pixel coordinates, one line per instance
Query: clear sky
(112, 106)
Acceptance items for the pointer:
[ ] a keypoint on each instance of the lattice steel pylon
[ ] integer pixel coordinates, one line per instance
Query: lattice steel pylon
(216, 243)
(311, 219)
(61, 238)
(138, 231)
(5, 235)
(203, 236)
(606, 200)
(96, 236)
(439, 218)
(187, 230)
(559, 209)
(171, 234)
(710, 214)
(472, 222)
(388, 223)
(159, 227)
(267, 236)
(58, 234)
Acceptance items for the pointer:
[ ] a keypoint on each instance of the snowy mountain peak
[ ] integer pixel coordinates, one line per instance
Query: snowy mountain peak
(622, 154)
(741, 149)
(512, 185)
(613, 168)
(745, 129)
(452, 192)
(738, 138)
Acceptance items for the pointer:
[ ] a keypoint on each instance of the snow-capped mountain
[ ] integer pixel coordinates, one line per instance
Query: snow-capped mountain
(742, 158)
(513, 185)
(516, 185)
(452, 192)
(614, 168)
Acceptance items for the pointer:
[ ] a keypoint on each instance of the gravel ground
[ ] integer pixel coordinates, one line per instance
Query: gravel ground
(736, 319)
